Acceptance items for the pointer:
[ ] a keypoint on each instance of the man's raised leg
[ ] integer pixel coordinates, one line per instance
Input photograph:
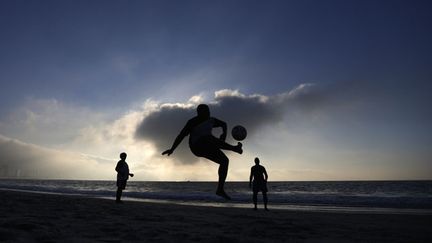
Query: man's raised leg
(226, 146)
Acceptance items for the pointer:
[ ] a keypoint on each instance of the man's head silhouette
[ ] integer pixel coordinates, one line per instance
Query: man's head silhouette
(257, 161)
(203, 111)
(123, 156)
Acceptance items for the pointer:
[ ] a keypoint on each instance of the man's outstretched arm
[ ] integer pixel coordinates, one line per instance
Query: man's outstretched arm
(184, 132)
(177, 141)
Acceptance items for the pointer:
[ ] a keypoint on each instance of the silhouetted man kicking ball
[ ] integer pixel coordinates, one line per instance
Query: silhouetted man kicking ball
(203, 144)
(259, 176)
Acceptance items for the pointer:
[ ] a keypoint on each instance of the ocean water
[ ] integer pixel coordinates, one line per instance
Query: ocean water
(399, 195)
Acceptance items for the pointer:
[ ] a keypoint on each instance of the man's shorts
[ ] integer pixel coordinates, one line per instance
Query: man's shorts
(259, 186)
(204, 146)
(121, 184)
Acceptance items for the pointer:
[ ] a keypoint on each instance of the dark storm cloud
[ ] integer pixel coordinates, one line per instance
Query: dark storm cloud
(162, 126)
(251, 111)
(340, 111)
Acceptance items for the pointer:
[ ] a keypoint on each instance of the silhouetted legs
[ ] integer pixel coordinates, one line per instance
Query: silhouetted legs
(118, 195)
(121, 185)
(255, 199)
(265, 200)
(210, 148)
(226, 146)
(211, 142)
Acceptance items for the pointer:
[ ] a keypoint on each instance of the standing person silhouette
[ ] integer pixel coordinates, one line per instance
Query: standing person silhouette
(123, 174)
(259, 175)
(203, 144)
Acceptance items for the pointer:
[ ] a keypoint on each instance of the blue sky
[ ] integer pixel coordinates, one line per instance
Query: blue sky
(74, 71)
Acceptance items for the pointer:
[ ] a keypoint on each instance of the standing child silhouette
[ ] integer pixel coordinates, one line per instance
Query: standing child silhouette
(123, 174)
(203, 144)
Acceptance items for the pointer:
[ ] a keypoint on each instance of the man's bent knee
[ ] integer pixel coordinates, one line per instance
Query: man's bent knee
(224, 162)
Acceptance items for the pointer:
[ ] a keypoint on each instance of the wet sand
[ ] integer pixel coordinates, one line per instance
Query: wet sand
(58, 218)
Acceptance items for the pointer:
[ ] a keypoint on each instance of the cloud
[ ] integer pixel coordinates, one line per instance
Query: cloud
(286, 128)
(162, 125)
(53, 139)
(23, 160)
(347, 115)
(70, 137)
(48, 121)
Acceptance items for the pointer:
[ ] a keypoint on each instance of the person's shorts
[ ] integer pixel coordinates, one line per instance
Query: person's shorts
(121, 184)
(204, 146)
(258, 186)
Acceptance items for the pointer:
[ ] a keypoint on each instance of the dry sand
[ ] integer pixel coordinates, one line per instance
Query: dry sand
(30, 217)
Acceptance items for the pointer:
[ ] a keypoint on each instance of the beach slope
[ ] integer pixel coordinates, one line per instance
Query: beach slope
(53, 218)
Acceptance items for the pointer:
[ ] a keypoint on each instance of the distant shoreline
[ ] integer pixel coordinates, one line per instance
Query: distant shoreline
(192, 181)
(228, 204)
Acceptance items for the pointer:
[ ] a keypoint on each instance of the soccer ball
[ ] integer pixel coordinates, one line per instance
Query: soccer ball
(239, 133)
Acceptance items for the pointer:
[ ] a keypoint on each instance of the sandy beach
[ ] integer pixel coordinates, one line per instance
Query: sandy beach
(57, 218)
